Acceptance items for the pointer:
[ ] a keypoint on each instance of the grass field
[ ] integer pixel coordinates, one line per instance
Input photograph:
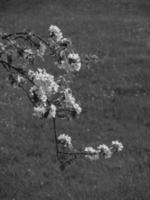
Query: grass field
(114, 94)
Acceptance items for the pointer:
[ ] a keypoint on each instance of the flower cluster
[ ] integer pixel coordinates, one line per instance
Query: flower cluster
(70, 101)
(116, 146)
(55, 33)
(42, 49)
(45, 89)
(71, 63)
(104, 150)
(50, 95)
(90, 152)
(67, 59)
(43, 94)
(74, 61)
(52, 111)
(65, 140)
(42, 91)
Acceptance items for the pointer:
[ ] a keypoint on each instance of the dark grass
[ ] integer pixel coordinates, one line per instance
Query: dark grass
(119, 29)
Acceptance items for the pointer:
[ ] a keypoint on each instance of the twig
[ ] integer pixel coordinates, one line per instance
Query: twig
(55, 134)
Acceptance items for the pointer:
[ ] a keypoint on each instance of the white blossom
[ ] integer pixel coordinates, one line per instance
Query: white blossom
(39, 111)
(65, 41)
(45, 85)
(70, 101)
(55, 33)
(66, 139)
(104, 149)
(32, 90)
(93, 153)
(77, 108)
(52, 112)
(42, 75)
(117, 145)
(41, 50)
(42, 95)
(42, 78)
(71, 63)
(74, 61)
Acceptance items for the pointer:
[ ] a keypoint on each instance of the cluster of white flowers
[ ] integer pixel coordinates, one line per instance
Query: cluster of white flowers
(65, 140)
(70, 101)
(51, 97)
(44, 83)
(74, 61)
(55, 33)
(90, 152)
(39, 111)
(117, 146)
(93, 154)
(45, 87)
(65, 41)
(52, 111)
(69, 61)
(71, 64)
(103, 150)
(41, 75)
(41, 50)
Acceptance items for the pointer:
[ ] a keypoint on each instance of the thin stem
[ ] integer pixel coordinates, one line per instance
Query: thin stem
(27, 94)
(55, 134)
(25, 34)
(77, 153)
(18, 70)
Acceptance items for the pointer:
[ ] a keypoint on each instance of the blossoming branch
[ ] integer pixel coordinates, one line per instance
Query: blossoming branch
(51, 97)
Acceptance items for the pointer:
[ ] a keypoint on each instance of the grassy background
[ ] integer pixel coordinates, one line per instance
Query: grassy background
(28, 167)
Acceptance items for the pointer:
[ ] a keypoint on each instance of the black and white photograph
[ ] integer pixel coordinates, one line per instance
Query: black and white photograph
(75, 100)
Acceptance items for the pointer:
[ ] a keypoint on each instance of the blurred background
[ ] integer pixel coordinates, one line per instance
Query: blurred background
(114, 94)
